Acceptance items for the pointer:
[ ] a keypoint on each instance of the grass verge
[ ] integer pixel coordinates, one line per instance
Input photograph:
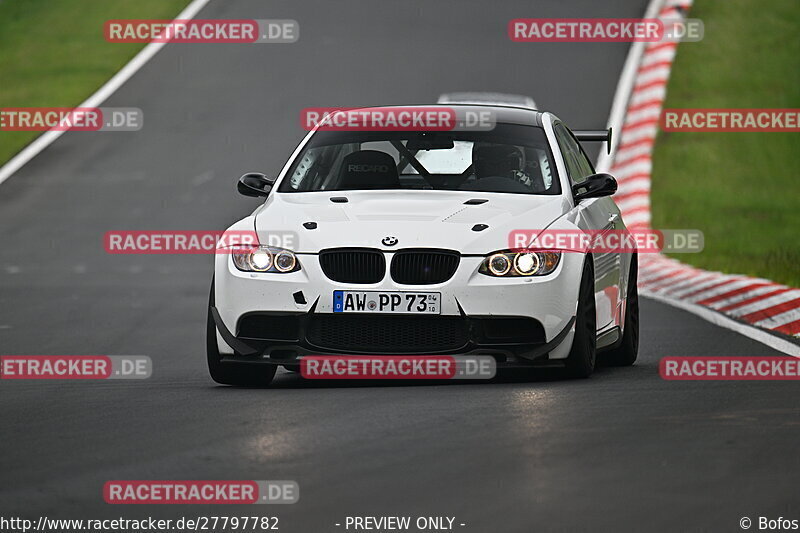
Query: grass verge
(741, 189)
(54, 53)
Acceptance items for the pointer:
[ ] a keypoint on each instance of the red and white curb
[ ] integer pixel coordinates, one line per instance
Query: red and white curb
(729, 300)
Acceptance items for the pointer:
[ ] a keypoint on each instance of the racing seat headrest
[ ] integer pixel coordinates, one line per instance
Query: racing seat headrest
(495, 160)
(368, 169)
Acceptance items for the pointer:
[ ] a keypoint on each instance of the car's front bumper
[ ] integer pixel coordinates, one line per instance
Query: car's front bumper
(476, 309)
(281, 338)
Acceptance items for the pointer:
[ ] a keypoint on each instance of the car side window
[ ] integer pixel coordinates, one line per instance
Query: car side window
(587, 169)
(578, 166)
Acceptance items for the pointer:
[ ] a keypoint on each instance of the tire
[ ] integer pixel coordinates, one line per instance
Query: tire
(239, 374)
(582, 357)
(625, 354)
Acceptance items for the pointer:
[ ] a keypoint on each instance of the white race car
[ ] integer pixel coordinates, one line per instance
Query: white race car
(398, 243)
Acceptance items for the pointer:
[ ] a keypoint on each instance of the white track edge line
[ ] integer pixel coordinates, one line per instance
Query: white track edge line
(718, 319)
(116, 81)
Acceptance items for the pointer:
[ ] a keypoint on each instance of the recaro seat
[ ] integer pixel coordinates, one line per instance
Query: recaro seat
(368, 169)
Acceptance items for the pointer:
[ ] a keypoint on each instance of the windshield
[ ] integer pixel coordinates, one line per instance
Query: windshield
(509, 159)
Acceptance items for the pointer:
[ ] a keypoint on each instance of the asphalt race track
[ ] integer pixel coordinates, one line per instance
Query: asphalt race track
(624, 450)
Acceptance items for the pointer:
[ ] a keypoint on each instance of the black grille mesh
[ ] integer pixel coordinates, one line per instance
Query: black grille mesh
(353, 265)
(424, 267)
(274, 327)
(363, 333)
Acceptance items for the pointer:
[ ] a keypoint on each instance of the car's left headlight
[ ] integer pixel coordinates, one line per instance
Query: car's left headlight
(265, 259)
(522, 263)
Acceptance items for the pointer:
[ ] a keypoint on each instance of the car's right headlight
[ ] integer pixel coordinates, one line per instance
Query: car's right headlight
(520, 263)
(265, 259)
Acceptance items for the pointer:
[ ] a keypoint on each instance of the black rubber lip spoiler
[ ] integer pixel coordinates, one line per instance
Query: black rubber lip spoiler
(595, 136)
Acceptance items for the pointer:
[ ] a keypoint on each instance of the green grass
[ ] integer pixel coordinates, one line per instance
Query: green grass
(741, 189)
(53, 53)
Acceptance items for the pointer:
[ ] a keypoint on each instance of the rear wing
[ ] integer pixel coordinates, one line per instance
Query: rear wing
(595, 136)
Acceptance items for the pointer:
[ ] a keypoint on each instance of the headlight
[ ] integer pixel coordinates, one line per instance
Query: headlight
(285, 261)
(265, 259)
(524, 263)
(499, 264)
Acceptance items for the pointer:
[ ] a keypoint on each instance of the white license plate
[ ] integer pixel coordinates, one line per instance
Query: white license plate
(426, 303)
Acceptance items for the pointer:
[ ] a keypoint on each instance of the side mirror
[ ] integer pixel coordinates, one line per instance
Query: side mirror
(255, 184)
(595, 186)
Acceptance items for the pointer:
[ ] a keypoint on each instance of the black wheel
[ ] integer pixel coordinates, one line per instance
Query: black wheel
(625, 354)
(583, 355)
(241, 374)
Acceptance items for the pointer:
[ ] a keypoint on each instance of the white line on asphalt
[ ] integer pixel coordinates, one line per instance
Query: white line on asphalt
(721, 320)
(123, 75)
